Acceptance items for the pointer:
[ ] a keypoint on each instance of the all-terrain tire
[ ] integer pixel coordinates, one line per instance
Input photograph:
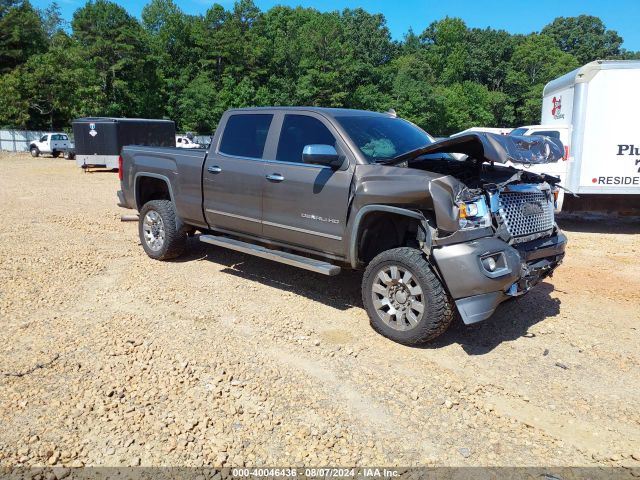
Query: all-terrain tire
(34, 152)
(158, 216)
(382, 293)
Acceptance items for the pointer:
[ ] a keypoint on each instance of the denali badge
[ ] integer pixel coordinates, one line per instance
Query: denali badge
(532, 208)
(319, 218)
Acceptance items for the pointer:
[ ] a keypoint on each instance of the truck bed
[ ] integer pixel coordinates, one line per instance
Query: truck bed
(179, 167)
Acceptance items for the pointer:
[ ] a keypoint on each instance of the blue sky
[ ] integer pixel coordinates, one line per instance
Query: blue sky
(516, 16)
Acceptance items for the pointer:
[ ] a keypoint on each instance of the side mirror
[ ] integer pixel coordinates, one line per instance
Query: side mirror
(322, 155)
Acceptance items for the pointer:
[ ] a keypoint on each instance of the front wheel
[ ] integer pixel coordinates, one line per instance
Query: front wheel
(35, 152)
(404, 299)
(159, 235)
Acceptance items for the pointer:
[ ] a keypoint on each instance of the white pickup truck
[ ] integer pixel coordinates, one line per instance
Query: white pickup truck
(183, 141)
(50, 143)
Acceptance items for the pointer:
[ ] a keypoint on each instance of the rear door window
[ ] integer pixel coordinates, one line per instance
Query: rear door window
(299, 131)
(245, 135)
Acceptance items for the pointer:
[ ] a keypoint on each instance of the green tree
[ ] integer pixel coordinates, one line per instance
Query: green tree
(410, 42)
(283, 30)
(6, 5)
(244, 43)
(585, 37)
(50, 89)
(198, 106)
(211, 47)
(324, 64)
(21, 34)
(14, 108)
(193, 67)
(468, 104)
(52, 20)
(535, 62)
(447, 48)
(490, 52)
(116, 46)
(413, 95)
(369, 37)
(171, 43)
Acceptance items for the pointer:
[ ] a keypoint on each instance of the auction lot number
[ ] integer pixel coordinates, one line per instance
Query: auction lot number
(293, 472)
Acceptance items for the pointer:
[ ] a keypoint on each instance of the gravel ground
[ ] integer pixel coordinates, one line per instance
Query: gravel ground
(110, 358)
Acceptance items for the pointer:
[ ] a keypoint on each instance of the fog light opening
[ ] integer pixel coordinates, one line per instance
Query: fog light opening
(489, 263)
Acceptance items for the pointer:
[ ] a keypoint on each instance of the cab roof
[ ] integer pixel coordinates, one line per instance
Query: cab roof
(329, 112)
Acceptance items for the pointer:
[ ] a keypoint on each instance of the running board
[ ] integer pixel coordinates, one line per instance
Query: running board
(317, 266)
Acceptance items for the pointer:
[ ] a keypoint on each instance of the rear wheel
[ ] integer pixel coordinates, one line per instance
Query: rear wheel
(159, 236)
(405, 300)
(68, 155)
(34, 152)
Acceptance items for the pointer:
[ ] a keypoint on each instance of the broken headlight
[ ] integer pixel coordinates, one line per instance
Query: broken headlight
(474, 214)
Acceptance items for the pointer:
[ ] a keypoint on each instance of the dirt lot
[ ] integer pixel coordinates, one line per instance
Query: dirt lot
(110, 358)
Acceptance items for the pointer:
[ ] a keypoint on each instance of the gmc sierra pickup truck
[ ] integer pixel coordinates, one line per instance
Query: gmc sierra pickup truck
(326, 189)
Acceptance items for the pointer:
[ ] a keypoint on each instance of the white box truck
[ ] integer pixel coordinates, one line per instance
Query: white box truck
(593, 110)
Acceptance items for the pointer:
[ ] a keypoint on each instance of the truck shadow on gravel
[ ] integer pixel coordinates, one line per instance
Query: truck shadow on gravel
(511, 320)
(341, 292)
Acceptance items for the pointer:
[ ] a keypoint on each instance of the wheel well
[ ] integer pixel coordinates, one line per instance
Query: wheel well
(380, 231)
(151, 188)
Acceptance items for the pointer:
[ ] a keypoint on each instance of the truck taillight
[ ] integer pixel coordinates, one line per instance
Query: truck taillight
(566, 153)
(120, 167)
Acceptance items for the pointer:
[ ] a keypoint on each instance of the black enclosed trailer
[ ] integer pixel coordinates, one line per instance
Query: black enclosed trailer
(98, 140)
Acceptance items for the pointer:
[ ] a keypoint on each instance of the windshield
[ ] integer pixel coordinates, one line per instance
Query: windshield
(383, 138)
(519, 131)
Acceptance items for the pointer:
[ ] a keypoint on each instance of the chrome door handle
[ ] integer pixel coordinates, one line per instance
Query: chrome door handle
(275, 177)
(214, 169)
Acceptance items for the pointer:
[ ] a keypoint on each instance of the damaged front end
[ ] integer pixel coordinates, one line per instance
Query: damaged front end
(499, 237)
(524, 215)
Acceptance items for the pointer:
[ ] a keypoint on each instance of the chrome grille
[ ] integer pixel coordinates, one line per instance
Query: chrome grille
(526, 214)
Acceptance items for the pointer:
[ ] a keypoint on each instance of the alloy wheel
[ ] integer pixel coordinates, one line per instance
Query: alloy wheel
(397, 297)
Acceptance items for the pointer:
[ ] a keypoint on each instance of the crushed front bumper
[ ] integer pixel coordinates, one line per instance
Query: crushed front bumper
(476, 290)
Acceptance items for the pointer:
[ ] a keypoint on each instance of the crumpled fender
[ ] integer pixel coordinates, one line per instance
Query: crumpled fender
(445, 193)
(410, 189)
(392, 186)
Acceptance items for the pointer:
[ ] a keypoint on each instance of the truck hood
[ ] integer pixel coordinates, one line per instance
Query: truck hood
(491, 147)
